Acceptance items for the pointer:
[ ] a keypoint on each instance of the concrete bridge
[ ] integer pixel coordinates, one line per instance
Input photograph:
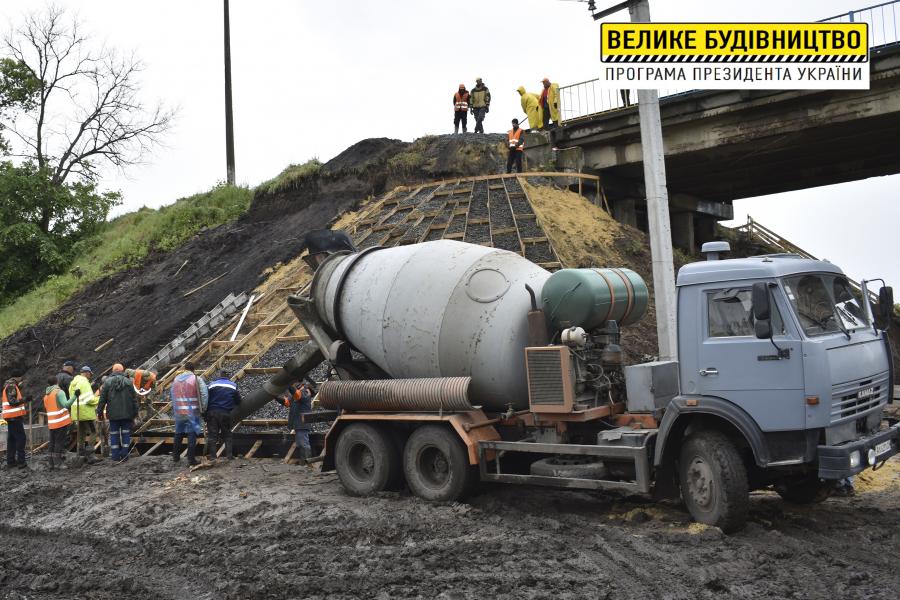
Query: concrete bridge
(723, 145)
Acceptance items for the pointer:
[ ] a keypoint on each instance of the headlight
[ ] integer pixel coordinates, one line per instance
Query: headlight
(871, 456)
(854, 459)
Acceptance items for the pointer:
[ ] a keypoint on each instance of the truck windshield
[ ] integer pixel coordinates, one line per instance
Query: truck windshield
(824, 303)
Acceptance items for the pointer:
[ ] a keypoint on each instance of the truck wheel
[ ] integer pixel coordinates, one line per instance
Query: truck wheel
(807, 491)
(436, 464)
(569, 466)
(713, 481)
(366, 460)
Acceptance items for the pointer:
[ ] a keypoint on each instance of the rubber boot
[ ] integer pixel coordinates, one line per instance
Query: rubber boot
(192, 451)
(51, 460)
(229, 449)
(456, 128)
(176, 449)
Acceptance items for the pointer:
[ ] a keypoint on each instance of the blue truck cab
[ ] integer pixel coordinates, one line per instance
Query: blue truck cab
(781, 353)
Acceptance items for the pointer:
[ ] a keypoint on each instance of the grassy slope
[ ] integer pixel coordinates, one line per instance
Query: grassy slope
(124, 243)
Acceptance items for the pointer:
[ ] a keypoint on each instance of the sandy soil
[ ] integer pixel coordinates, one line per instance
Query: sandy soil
(261, 529)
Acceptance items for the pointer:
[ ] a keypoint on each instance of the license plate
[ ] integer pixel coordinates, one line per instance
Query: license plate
(882, 448)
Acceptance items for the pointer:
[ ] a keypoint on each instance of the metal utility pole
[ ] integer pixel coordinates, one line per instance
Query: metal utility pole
(229, 120)
(657, 208)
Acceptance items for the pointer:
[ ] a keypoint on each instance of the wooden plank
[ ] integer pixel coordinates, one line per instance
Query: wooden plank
(246, 356)
(290, 453)
(153, 448)
(198, 288)
(292, 338)
(261, 370)
(256, 446)
(104, 345)
(265, 422)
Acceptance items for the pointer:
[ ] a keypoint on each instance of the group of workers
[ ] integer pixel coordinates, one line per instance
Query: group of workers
(542, 111)
(101, 413)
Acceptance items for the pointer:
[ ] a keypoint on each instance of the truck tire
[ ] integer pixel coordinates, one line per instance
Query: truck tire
(436, 464)
(366, 460)
(713, 481)
(807, 491)
(569, 466)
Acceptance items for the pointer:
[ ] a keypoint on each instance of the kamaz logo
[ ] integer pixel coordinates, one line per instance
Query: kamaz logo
(865, 393)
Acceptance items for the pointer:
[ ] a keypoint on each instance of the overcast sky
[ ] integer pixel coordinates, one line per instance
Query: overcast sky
(312, 77)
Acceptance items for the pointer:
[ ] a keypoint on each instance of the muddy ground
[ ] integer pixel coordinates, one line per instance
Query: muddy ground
(262, 529)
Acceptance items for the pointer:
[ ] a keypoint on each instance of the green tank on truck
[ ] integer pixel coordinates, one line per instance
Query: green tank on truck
(460, 363)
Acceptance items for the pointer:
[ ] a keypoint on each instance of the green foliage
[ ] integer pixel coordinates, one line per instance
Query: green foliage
(18, 89)
(412, 159)
(40, 222)
(125, 242)
(291, 178)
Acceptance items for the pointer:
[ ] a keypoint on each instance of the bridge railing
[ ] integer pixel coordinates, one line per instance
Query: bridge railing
(587, 98)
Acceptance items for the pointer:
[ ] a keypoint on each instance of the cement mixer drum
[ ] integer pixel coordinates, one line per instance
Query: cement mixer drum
(436, 309)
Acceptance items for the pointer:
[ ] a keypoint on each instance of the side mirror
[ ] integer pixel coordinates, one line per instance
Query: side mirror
(886, 305)
(762, 310)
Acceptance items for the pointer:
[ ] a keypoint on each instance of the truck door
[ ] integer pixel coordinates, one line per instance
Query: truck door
(735, 365)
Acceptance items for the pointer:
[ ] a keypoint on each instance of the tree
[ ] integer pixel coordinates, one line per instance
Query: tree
(28, 253)
(88, 110)
(18, 91)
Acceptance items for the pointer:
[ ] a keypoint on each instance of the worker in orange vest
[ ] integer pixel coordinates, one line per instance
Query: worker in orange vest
(460, 108)
(57, 404)
(14, 411)
(516, 137)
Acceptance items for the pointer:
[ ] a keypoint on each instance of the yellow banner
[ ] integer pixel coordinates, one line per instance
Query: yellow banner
(713, 42)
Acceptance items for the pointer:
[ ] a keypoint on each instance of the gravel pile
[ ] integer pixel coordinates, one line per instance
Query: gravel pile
(398, 216)
(232, 366)
(528, 228)
(418, 197)
(520, 205)
(478, 233)
(434, 235)
(501, 215)
(507, 241)
(445, 215)
(373, 239)
(457, 225)
(278, 354)
(478, 207)
(539, 252)
(512, 185)
(415, 232)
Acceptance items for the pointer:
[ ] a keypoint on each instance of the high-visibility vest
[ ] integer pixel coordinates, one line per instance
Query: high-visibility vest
(461, 101)
(13, 411)
(144, 380)
(57, 416)
(186, 395)
(515, 135)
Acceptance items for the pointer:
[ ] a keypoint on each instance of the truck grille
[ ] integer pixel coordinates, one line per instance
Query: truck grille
(854, 398)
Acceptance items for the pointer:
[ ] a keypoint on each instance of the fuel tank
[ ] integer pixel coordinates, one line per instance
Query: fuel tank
(589, 298)
(436, 309)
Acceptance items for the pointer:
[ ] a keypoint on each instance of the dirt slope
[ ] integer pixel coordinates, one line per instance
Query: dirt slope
(261, 529)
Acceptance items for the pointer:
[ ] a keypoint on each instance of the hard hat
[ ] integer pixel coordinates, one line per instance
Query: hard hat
(117, 368)
(478, 79)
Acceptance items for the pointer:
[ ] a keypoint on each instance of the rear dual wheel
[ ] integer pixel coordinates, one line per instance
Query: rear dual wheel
(436, 464)
(367, 460)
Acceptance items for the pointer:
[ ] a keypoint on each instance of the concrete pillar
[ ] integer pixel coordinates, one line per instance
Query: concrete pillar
(683, 231)
(624, 212)
(704, 229)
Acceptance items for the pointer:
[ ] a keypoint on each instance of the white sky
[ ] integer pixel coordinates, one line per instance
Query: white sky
(313, 77)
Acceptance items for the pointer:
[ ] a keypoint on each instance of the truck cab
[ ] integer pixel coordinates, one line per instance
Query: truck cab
(781, 354)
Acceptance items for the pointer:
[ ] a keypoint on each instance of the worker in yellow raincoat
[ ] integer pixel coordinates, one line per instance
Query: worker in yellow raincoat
(549, 103)
(531, 104)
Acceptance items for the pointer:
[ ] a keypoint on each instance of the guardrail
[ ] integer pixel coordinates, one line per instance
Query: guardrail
(586, 99)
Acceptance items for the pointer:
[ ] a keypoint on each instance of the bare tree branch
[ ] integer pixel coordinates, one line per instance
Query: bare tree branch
(89, 109)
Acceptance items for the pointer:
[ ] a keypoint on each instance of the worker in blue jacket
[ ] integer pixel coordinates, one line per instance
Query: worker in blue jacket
(224, 397)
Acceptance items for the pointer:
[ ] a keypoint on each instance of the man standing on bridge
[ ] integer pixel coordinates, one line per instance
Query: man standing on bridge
(549, 103)
(481, 104)
(516, 139)
(460, 108)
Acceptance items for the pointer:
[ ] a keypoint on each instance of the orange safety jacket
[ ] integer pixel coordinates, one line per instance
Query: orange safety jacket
(13, 411)
(461, 102)
(515, 139)
(144, 380)
(57, 416)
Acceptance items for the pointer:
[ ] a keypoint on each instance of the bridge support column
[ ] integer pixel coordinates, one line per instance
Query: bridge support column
(683, 231)
(623, 210)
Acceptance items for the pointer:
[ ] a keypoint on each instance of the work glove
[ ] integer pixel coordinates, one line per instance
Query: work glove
(77, 394)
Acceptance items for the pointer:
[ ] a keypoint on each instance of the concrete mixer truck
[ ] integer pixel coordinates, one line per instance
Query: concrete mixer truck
(459, 363)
